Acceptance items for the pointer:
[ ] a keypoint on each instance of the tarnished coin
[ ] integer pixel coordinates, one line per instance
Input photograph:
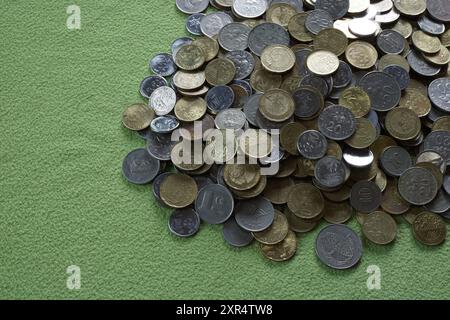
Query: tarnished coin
(193, 24)
(422, 66)
(416, 101)
(178, 190)
(343, 76)
(178, 43)
(221, 145)
(277, 231)
(184, 222)
(163, 100)
(442, 123)
(365, 134)
(159, 145)
(242, 176)
(338, 246)
(139, 167)
(276, 105)
(150, 84)
(439, 93)
(365, 196)
(395, 160)
(337, 212)
(383, 90)
(330, 172)
(137, 117)
(280, 13)
(164, 124)
(262, 80)
(439, 141)
(402, 124)
(356, 100)
(219, 98)
(429, 229)
(192, 6)
(318, 20)
(308, 102)
(337, 9)
(331, 40)
(234, 235)
(190, 57)
(281, 251)
(440, 204)
(305, 201)
(234, 36)
(391, 201)
(418, 186)
(312, 144)
(361, 55)
(267, 34)
(184, 80)
(184, 158)
(214, 204)
(209, 46)
(322, 62)
(297, 28)
(255, 214)
(190, 109)
(400, 75)
(252, 192)
(212, 23)
(441, 58)
(390, 41)
(277, 58)
(392, 59)
(277, 190)
(426, 43)
(322, 84)
(243, 61)
(289, 136)
(220, 71)
(337, 123)
(430, 25)
(380, 228)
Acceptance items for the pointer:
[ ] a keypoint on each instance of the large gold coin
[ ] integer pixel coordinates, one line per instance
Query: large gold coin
(426, 43)
(281, 251)
(442, 123)
(262, 80)
(190, 57)
(277, 58)
(190, 109)
(185, 80)
(276, 105)
(361, 55)
(402, 124)
(356, 100)
(381, 143)
(305, 201)
(184, 158)
(289, 136)
(241, 176)
(137, 117)
(209, 46)
(220, 71)
(178, 190)
(416, 101)
(276, 232)
(441, 58)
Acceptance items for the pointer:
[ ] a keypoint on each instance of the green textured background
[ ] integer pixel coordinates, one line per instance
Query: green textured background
(63, 200)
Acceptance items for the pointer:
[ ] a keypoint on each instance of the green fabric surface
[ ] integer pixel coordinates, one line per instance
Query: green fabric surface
(63, 200)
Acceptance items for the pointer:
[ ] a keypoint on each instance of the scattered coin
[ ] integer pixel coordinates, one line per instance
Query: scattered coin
(193, 24)
(277, 58)
(255, 214)
(395, 160)
(376, 84)
(365, 196)
(276, 233)
(150, 84)
(139, 167)
(429, 229)
(184, 222)
(137, 117)
(305, 201)
(178, 190)
(163, 100)
(380, 228)
(361, 55)
(281, 251)
(322, 62)
(418, 186)
(337, 123)
(276, 105)
(312, 144)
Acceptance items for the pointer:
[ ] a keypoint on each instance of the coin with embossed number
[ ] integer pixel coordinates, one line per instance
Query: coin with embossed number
(214, 204)
(337, 123)
(312, 144)
(383, 90)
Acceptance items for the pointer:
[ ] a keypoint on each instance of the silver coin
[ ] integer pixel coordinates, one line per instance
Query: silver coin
(212, 23)
(255, 215)
(163, 65)
(230, 119)
(234, 235)
(234, 36)
(214, 204)
(440, 204)
(388, 17)
(363, 27)
(139, 167)
(358, 158)
(184, 222)
(432, 157)
(383, 5)
(149, 84)
(251, 108)
(163, 100)
(164, 124)
(266, 34)
(244, 63)
(192, 6)
(250, 9)
(160, 145)
(193, 24)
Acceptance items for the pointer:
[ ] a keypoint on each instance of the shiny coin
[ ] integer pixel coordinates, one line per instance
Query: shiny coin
(337, 123)
(322, 62)
(214, 204)
(163, 100)
(255, 214)
(163, 65)
(365, 196)
(312, 144)
(358, 6)
(230, 119)
(281, 251)
(383, 90)
(234, 36)
(276, 105)
(356, 100)
(209, 46)
(234, 235)
(178, 190)
(395, 160)
(363, 27)
(380, 228)
(184, 222)
(429, 229)
(418, 186)
(439, 93)
(318, 20)
(305, 201)
(192, 6)
(280, 13)
(189, 80)
(338, 246)
(220, 71)
(149, 84)
(190, 109)
(277, 231)
(219, 98)
(361, 55)
(212, 23)
(164, 124)
(358, 158)
(388, 17)
(250, 8)
(267, 34)
(402, 124)
(277, 58)
(137, 117)
(330, 172)
(139, 167)
(193, 24)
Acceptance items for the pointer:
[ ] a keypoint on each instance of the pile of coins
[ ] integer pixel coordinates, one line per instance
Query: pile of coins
(357, 93)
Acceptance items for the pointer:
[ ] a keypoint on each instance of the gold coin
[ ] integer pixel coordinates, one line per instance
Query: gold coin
(379, 227)
(276, 232)
(402, 124)
(393, 59)
(220, 71)
(429, 229)
(277, 190)
(332, 40)
(442, 123)
(277, 58)
(137, 117)
(256, 144)
(289, 136)
(441, 58)
(410, 7)
(178, 190)
(183, 157)
(304, 168)
(209, 46)
(337, 212)
(287, 167)
(280, 13)
(381, 180)
(334, 149)
(414, 100)
(297, 28)
(297, 224)
(364, 135)
(281, 251)
(416, 84)
(252, 192)
(339, 195)
(403, 27)
(276, 105)
(241, 176)
(262, 80)
(291, 82)
(189, 80)
(190, 57)
(322, 63)
(305, 201)
(425, 42)
(381, 143)
(391, 200)
(361, 55)
(356, 100)
(190, 109)
(445, 38)
(194, 93)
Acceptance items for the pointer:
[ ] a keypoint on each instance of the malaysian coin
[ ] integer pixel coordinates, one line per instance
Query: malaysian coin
(289, 136)
(256, 144)
(442, 123)
(192, 6)
(277, 58)
(418, 186)
(430, 25)
(338, 247)
(280, 13)
(439, 10)
(441, 58)
(330, 172)
(297, 28)
(322, 62)
(361, 55)
(429, 229)
(230, 119)
(322, 84)
(209, 46)
(439, 93)
(137, 117)
(234, 235)
(193, 24)
(139, 167)
(242, 176)
(214, 204)
(337, 123)
(403, 27)
(212, 23)
(297, 224)
(343, 76)
(150, 84)
(381, 180)
(163, 65)
(178, 43)
(390, 41)
(163, 100)
(277, 190)
(392, 59)
(250, 9)
(331, 40)
(184, 222)
(416, 101)
(422, 66)
(305, 201)
(400, 75)
(356, 100)
(267, 34)
(439, 141)
(234, 36)
(432, 157)
(365, 196)
(343, 25)
(276, 105)
(365, 134)
(221, 145)
(337, 9)
(337, 212)
(190, 109)
(395, 160)
(243, 61)
(379, 228)
(190, 57)
(219, 98)
(358, 6)
(318, 20)
(410, 7)
(164, 124)
(440, 204)
(252, 192)
(363, 27)
(426, 43)
(281, 251)
(178, 190)
(388, 17)
(220, 71)
(160, 145)
(383, 90)
(277, 231)
(402, 124)
(391, 201)
(358, 158)
(184, 157)
(255, 214)
(189, 80)
(262, 80)
(312, 144)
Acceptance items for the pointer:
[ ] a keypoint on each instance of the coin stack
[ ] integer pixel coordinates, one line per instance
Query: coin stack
(357, 93)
